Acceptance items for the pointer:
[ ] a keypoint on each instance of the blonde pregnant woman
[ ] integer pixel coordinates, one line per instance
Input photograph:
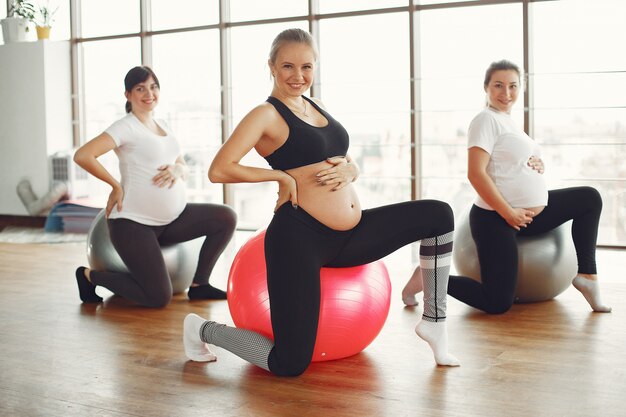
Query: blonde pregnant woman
(318, 221)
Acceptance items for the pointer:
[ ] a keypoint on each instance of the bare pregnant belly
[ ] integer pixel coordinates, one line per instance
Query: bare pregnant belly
(339, 210)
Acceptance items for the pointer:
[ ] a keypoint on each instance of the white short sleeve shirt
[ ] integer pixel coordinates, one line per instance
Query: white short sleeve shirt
(509, 148)
(141, 152)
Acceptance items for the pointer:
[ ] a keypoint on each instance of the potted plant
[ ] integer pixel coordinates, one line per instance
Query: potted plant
(16, 25)
(44, 19)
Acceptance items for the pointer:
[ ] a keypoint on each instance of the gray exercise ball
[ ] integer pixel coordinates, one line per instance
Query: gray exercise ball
(546, 263)
(180, 259)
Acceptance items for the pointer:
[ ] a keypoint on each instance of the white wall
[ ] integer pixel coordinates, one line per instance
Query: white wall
(35, 115)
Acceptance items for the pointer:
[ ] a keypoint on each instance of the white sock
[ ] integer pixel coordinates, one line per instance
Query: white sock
(591, 290)
(436, 334)
(414, 286)
(195, 349)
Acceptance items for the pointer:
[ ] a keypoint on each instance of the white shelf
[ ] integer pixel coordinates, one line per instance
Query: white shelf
(35, 115)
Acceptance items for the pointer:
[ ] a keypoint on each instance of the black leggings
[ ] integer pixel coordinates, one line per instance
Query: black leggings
(497, 246)
(148, 282)
(297, 246)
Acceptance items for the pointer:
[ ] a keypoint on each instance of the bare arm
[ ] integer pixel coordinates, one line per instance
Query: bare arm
(87, 158)
(485, 187)
(226, 167)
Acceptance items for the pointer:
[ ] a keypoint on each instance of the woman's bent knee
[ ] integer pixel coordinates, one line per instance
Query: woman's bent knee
(229, 217)
(592, 197)
(441, 215)
(293, 364)
(295, 369)
(499, 307)
(158, 300)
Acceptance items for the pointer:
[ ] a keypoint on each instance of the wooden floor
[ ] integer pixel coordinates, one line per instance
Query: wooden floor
(61, 358)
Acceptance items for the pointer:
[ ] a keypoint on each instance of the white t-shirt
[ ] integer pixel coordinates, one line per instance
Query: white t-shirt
(140, 153)
(509, 148)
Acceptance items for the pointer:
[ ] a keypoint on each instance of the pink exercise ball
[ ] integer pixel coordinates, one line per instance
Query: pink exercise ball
(354, 305)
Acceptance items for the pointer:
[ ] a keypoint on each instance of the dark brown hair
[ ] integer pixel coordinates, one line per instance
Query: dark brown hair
(136, 76)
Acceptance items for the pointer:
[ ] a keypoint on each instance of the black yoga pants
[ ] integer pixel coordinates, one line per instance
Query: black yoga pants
(297, 246)
(497, 246)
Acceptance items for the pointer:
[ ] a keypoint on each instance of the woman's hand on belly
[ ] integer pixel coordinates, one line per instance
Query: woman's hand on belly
(536, 210)
(340, 174)
(519, 217)
(339, 210)
(522, 217)
(536, 163)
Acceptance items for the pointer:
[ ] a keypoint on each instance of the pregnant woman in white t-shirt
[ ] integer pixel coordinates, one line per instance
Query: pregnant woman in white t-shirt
(148, 208)
(513, 200)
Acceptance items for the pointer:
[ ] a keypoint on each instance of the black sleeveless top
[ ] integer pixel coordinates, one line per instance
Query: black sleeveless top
(307, 144)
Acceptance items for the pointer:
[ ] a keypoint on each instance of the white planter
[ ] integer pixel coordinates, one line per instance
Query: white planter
(14, 29)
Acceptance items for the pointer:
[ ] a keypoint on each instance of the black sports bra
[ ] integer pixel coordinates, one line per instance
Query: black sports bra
(307, 144)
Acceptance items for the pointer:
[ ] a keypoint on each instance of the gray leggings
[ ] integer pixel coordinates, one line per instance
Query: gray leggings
(139, 246)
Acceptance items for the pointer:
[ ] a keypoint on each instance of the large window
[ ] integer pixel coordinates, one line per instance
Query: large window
(61, 24)
(105, 64)
(167, 14)
(111, 17)
(375, 85)
(190, 102)
(457, 45)
(580, 103)
(368, 91)
(242, 10)
(334, 6)
(251, 85)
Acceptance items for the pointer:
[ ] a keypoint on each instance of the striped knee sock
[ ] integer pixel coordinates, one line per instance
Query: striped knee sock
(435, 257)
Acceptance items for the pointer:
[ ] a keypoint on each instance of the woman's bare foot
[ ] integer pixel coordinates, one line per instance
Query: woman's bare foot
(414, 286)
